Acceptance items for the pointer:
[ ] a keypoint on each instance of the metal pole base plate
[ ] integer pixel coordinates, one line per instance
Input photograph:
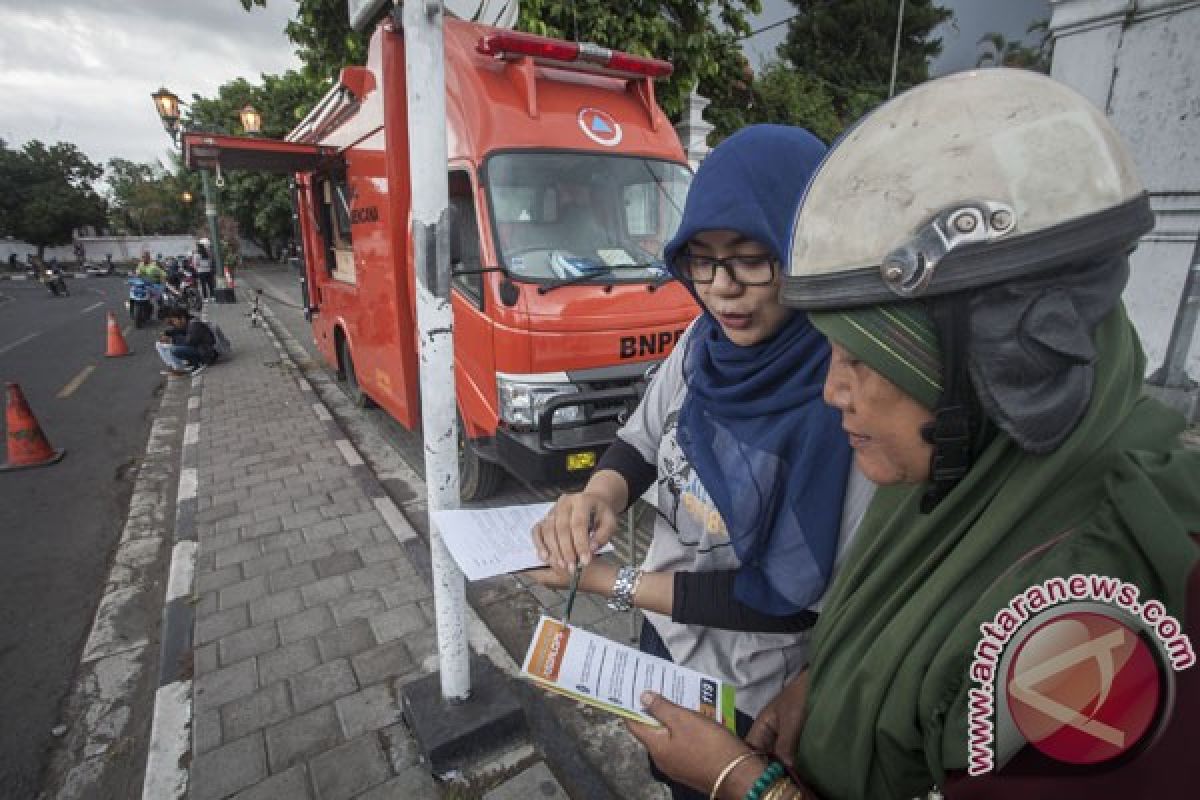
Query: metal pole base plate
(450, 734)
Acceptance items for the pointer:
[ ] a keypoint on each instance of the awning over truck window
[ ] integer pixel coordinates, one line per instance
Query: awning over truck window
(207, 150)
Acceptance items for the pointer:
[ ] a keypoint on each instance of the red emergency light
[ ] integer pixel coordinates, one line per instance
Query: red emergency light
(527, 44)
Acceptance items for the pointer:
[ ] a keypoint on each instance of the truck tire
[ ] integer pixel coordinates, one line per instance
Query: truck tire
(358, 397)
(478, 478)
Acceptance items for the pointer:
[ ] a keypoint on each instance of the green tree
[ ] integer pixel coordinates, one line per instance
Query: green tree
(147, 198)
(259, 203)
(47, 192)
(321, 32)
(786, 96)
(999, 51)
(847, 47)
(699, 37)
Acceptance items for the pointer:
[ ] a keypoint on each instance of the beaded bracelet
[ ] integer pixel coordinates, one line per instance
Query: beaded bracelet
(772, 773)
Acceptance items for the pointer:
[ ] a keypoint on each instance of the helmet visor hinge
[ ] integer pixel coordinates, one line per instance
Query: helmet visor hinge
(909, 269)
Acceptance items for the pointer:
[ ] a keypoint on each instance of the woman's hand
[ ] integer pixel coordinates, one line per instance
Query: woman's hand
(574, 529)
(693, 749)
(777, 727)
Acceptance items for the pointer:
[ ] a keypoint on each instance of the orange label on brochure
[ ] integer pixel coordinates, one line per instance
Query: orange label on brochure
(546, 657)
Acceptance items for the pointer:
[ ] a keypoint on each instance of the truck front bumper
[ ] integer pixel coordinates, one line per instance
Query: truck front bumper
(568, 457)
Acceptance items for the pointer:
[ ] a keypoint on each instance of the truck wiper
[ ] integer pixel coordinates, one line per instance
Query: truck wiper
(598, 272)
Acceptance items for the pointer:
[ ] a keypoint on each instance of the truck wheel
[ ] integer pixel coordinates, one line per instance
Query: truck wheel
(478, 478)
(357, 395)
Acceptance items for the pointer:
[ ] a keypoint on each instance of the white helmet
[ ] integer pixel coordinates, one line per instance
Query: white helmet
(961, 182)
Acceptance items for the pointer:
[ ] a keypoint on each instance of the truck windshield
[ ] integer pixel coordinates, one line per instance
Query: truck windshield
(588, 217)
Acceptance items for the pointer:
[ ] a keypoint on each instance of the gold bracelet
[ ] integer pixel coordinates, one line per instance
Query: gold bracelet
(779, 790)
(730, 767)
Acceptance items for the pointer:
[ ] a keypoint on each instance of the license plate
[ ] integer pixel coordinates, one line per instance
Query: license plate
(578, 461)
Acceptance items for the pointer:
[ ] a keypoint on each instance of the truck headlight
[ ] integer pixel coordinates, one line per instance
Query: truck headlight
(522, 402)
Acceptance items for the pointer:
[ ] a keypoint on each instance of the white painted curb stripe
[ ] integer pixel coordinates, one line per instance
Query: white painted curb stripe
(183, 570)
(394, 519)
(189, 482)
(348, 452)
(191, 433)
(322, 412)
(170, 741)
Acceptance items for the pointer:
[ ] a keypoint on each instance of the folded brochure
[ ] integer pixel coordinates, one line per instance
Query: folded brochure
(612, 676)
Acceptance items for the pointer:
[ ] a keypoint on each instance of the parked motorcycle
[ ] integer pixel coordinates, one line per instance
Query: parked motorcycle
(56, 283)
(189, 292)
(144, 296)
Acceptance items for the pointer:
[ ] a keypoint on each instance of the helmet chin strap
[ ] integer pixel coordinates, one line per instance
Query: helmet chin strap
(957, 416)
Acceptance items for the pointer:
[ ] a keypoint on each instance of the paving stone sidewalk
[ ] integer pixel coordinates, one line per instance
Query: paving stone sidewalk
(309, 614)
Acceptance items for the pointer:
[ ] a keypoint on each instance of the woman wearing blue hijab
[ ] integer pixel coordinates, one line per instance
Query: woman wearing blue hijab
(750, 466)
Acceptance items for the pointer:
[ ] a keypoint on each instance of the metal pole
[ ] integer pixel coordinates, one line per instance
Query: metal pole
(896, 49)
(214, 232)
(1174, 369)
(424, 61)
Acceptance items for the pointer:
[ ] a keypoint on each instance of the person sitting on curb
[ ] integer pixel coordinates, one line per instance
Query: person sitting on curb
(187, 346)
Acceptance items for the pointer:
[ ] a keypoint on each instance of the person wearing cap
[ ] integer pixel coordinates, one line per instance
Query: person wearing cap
(964, 248)
(749, 467)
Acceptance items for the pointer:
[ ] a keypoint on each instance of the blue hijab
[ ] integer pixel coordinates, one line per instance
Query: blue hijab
(770, 453)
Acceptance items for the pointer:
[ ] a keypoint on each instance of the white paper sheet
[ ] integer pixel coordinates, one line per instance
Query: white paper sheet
(491, 541)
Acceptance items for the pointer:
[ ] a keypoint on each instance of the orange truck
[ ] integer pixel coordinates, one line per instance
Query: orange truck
(565, 182)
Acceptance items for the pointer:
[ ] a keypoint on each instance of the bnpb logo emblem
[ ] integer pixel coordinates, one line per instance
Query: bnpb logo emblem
(600, 127)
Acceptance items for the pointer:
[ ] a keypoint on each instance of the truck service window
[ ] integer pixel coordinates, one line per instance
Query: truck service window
(605, 217)
(336, 228)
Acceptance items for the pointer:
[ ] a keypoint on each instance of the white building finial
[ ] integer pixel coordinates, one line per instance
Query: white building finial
(693, 130)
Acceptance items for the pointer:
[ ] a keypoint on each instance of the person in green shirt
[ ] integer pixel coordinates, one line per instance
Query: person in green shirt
(149, 270)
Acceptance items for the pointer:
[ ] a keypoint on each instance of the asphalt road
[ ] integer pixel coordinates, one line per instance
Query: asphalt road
(59, 524)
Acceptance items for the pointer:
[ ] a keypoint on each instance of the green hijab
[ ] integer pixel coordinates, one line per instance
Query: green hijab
(887, 701)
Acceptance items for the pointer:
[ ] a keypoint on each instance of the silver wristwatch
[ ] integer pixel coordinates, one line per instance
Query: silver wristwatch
(624, 588)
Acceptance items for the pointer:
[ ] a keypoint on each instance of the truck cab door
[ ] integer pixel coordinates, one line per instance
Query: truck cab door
(473, 350)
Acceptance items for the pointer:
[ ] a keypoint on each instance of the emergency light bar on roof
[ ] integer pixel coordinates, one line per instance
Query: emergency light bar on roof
(513, 43)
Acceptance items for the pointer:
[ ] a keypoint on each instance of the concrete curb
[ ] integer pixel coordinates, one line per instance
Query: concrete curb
(170, 733)
(117, 658)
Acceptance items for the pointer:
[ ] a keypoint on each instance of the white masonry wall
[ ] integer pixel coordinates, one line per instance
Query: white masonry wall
(1139, 60)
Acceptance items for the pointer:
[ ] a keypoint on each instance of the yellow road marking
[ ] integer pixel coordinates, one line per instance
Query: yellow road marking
(75, 383)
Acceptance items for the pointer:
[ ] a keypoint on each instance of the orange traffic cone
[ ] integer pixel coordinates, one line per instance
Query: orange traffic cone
(116, 342)
(27, 445)
(229, 281)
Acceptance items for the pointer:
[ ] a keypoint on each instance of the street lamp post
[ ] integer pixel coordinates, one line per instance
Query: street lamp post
(166, 103)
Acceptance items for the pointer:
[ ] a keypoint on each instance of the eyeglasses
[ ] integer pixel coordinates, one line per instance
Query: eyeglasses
(749, 270)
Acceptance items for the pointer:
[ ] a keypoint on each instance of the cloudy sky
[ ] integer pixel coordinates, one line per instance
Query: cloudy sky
(82, 70)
